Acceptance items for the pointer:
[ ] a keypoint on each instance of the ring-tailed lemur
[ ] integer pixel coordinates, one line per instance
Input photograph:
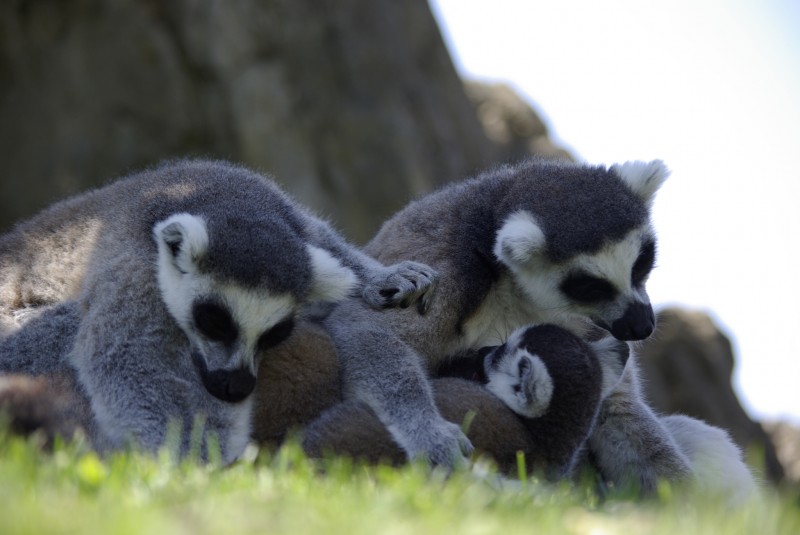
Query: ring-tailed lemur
(184, 274)
(43, 260)
(551, 378)
(537, 242)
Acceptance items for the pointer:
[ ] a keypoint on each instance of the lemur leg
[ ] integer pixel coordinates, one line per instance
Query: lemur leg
(398, 285)
(630, 445)
(381, 370)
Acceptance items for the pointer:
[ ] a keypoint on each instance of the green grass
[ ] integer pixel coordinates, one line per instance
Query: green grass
(71, 490)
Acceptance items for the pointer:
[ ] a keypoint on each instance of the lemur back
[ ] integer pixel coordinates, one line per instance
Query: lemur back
(44, 259)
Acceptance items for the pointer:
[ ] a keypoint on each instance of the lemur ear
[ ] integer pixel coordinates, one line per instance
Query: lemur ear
(644, 178)
(518, 240)
(183, 239)
(331, 280)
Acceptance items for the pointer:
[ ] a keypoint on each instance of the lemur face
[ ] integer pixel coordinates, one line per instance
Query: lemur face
(230, 329)
(229, 326)
(608, 287)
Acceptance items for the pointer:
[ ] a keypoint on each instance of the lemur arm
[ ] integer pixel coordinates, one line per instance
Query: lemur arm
(401, 284)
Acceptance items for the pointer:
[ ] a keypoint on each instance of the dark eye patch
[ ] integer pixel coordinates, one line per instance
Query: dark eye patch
(277, 334)
(644, 264)
(588, 289)
(215, 322)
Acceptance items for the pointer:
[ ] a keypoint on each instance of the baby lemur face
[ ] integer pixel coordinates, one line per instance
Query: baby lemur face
(521, 371)
(230, 326)
(519, 378)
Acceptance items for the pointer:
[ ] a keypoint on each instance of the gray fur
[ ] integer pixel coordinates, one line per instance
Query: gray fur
(483, 294)
(633, 448)
(35, 367)
(352, 428)
(43, 260)
(133, 345)
(550, 443)
(630, 446)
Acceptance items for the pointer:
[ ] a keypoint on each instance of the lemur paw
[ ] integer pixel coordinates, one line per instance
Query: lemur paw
(444, 445)
(402, 284)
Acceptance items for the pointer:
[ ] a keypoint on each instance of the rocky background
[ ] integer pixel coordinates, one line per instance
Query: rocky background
(353, 105)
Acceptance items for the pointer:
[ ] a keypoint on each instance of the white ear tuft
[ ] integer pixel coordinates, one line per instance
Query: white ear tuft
(332, 281)
(182, 239)
(518, 239)
(644, 178)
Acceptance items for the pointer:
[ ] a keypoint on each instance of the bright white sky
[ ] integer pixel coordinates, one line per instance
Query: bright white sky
(712, 87)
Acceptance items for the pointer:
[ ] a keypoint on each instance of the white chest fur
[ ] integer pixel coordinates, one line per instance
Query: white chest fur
(505, 308)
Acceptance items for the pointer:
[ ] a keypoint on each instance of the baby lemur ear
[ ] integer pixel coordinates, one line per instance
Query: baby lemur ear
(332, 281)
(613, 355)
(644, 178)
(518, 240)
(183, 239)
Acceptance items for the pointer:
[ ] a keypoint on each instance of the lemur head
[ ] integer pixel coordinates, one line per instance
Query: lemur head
(584, 247)
(235, 304)
(535, 361)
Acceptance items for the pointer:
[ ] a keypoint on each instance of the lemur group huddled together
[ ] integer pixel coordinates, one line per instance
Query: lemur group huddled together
(198, 296)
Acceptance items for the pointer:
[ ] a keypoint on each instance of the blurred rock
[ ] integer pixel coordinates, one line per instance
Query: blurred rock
(511, 124)
(353, 105)
(688, 365)
(786, 438)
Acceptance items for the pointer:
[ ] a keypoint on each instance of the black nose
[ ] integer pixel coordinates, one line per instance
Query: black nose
(637, 323)
(228, 385)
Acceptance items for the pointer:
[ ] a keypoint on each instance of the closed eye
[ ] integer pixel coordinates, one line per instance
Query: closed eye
(277, 334)
(214, 322)
(588, 289)
(644, 264)
(523, 366)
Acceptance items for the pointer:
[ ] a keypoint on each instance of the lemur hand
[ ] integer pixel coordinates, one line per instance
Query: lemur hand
(442, 444)
(402, 284)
